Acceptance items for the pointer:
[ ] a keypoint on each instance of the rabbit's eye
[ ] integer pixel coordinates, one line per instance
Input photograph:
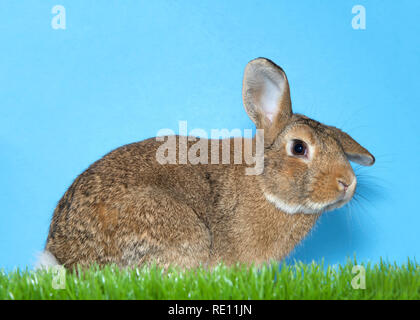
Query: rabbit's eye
(299, 148)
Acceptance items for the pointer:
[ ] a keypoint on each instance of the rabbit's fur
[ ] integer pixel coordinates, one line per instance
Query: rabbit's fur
(129, 209)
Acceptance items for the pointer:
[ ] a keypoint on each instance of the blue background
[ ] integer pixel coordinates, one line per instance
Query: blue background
(122, 70)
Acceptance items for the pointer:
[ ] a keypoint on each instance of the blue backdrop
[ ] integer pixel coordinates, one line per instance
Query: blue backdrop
(122, 70)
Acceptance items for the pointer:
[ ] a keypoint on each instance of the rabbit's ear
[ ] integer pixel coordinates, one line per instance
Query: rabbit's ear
(354, 151)
(266, 94)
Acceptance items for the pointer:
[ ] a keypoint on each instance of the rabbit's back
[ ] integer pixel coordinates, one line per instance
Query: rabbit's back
(128, 209)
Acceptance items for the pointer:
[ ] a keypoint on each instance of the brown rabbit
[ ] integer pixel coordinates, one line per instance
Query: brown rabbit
(129, 209)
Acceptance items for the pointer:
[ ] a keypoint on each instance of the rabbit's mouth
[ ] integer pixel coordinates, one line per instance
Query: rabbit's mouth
(310, 207)
(335, 205)
(345, 196)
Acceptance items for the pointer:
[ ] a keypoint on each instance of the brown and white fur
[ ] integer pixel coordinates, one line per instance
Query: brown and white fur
(128, 209)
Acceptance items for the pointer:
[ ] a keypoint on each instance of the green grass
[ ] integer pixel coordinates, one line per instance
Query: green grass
(298, 281)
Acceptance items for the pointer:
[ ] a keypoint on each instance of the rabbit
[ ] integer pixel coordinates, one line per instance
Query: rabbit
(128, 209)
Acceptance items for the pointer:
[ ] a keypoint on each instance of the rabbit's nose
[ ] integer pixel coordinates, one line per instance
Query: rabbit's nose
(347, 185)
(342, 185)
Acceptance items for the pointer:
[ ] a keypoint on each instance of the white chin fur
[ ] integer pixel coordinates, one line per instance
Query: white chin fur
(46, 260)
(308, 208)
